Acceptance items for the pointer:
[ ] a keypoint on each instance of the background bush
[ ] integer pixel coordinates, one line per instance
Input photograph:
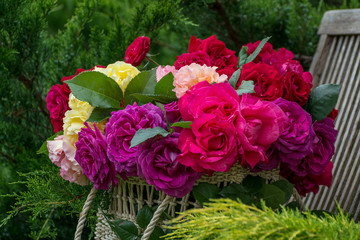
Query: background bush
(42, 41)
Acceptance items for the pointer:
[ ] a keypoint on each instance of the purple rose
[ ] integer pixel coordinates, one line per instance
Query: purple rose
(157, 163)
(121, 128)
(323, 148)
(172, 112)
(295, 142)
(91, 156)
(273, 161)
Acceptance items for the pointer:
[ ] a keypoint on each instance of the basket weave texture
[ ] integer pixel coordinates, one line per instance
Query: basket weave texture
(131, 195)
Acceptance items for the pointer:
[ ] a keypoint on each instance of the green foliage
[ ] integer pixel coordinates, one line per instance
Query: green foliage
(322, 100)
(252, 190)
(227, 219)
(142, 135)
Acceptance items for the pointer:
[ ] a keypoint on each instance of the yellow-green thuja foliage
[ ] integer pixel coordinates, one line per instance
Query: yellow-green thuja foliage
(226, 219)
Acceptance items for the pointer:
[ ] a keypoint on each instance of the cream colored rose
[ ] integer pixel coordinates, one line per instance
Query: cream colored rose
(121, 72)
(190, 75)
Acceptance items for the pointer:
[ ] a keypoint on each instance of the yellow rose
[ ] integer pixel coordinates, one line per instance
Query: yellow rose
(78, 105)
(121, 72)
(73, 123)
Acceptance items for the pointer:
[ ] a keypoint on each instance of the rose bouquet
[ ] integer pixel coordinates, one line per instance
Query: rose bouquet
(207, 112)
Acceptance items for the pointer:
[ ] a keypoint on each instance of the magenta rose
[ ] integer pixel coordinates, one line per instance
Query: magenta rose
(137, 50)
(57, 102)
(121, 128)
(212, 143)
(219, 99)
(295, 142)
(268, 83)
(91, 156)
(158, 165)
(261, 125)
(199, 57)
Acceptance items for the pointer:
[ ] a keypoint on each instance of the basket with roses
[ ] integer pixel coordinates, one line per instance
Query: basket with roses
(176, 135)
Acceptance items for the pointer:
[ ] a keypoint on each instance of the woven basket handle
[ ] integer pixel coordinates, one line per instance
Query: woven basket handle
(84, 213)
(150, 228)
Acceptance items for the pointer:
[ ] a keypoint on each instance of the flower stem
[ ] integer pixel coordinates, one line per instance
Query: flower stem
(152, 60)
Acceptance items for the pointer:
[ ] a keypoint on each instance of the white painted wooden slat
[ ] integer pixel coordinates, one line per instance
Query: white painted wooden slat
(345, 126)
(350, 84)
(331, 59)
(342, 66)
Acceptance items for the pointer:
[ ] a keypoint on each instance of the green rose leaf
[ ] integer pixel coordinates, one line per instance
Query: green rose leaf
(272, 195)
(165, 86)
(144, 216)
(147, 98)
(43, 149)
(157, 233)
(253, 183)
(286, 187)
(234, 78)
(142, 135)
(237, 191)
(242, 56)
(100, 114)
(257, 50)
(125, 230)
(246, 87)
(96, 89)
(143, 83)
(322, 100)
(294, 205)
(183, 124)
(205, 191)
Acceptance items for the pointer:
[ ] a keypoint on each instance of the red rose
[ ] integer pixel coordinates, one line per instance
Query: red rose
(220, 56)
(296, 89)
(267, 51)
(308, 183)
(228, 71)
(333, 114)
(57, 103)
(200, 58)
(137, 50)
(267, 80)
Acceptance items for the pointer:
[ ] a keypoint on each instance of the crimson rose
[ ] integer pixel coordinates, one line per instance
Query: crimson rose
(268, 82)
(137, 50)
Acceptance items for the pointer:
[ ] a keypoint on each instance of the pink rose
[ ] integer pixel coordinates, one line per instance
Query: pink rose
(163, 71)
(137, 50)
(261, 125)
(189, 76)
(70, 170)
(212, 142)
(198, 57)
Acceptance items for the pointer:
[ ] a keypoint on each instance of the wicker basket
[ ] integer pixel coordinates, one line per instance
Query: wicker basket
(131, 195)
